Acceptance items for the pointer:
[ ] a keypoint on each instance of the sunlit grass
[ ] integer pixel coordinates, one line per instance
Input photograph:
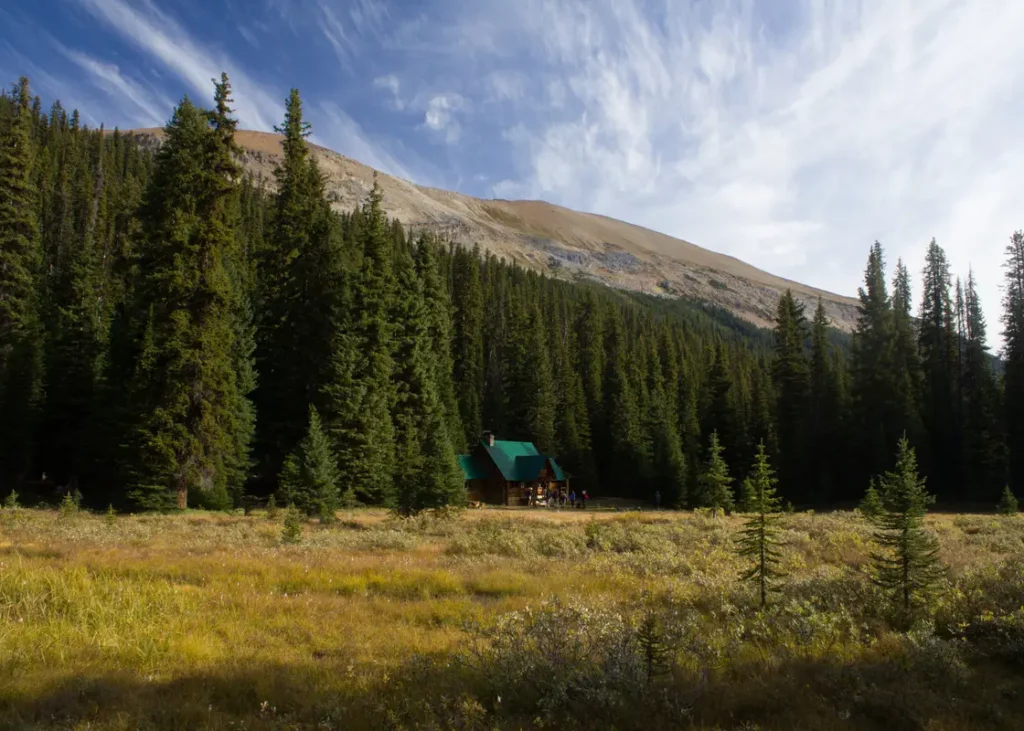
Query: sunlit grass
(206, 620)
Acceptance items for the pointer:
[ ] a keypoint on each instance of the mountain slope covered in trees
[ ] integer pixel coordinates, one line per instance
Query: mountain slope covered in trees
(175, 332)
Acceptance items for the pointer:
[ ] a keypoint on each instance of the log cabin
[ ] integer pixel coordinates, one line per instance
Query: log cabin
(499, 472)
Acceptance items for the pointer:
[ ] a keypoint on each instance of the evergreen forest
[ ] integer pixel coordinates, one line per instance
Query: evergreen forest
(175, 333)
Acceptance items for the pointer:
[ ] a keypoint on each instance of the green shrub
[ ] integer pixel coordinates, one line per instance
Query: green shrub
(272, 509)
(291, 533)
(11, 501)
(871, 506)
(1007, 503)
(68, 506)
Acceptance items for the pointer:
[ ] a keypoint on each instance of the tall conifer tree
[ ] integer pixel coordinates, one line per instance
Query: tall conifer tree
(792, 385)
(20, 259)
(300, 290)
(937, 340)
(186, 391)
(360, 394)
(1013, 356)
(468, 342)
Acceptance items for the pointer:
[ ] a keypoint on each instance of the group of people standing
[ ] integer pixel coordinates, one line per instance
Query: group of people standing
(555, 497)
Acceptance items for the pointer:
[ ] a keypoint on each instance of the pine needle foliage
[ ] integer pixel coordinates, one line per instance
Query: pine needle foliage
(759, 537)
(715, 480)
(1007, 503)
(907, 565)
(655, 647)
(871, 506)
(309, 479)
(291, 532)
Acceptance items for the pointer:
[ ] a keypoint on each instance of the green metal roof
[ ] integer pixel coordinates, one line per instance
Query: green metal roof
(504, 455)
(517, 462)
(472, 469)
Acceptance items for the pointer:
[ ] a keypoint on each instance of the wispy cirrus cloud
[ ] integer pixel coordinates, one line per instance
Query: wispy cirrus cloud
(791, 143)
(150, 109)
(167, 43)
(158, 35)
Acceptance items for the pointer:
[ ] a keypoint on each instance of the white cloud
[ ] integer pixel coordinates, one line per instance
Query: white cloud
(392, 84)
(439, 115)
(158, 35)
(344, 135)
(256, 105)
(790, 142)
(334, 32)
(506, 85)
(151, 110)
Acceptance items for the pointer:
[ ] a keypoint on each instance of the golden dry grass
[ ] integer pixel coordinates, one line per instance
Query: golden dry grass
(208, 621)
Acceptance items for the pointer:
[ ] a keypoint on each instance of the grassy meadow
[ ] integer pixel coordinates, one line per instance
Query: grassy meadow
(495, 619)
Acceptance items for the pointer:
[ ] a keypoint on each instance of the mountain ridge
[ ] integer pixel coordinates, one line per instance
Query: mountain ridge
(560, 241)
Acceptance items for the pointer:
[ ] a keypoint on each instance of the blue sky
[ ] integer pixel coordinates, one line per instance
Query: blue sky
(788, 133)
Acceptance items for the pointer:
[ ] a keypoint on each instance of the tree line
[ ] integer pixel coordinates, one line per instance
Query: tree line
(175, 332)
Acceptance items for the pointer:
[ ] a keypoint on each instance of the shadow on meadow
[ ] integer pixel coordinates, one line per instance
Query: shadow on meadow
(896, 685)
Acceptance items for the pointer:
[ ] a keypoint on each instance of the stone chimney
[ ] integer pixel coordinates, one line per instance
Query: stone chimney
(488, 438)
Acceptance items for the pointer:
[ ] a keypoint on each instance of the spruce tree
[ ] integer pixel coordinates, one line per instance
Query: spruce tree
(668, 466)
(309, 479)
(907, 565)
(20, 258)
(937, 341)
(185, 393)
(621, 410)
(984, 450)
(1007, 503)
(438, 313)
(759, 536)
(360, 394)
(871, 505)
(589, 331)
(720, 411)
(300, 287)
(791, 375)
(825, 429)
(1013, 358)
(291, 530)
(78, 328)
(238, 461)
(715, 481)
(907, 375)
(529, 384)
(426, 474)
(572, 423)
(468, 342)
(876, 418)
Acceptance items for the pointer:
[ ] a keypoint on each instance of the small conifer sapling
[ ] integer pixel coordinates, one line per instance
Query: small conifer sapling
(759, 538)
(871, 506)
(291, 533)
(1007, 503)
(907, 564)
(715, 480)
(310, 478)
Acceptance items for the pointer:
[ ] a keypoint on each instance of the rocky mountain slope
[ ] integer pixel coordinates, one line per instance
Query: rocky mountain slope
(562, 242)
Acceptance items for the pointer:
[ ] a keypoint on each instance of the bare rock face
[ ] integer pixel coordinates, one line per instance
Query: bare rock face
(564, 243)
